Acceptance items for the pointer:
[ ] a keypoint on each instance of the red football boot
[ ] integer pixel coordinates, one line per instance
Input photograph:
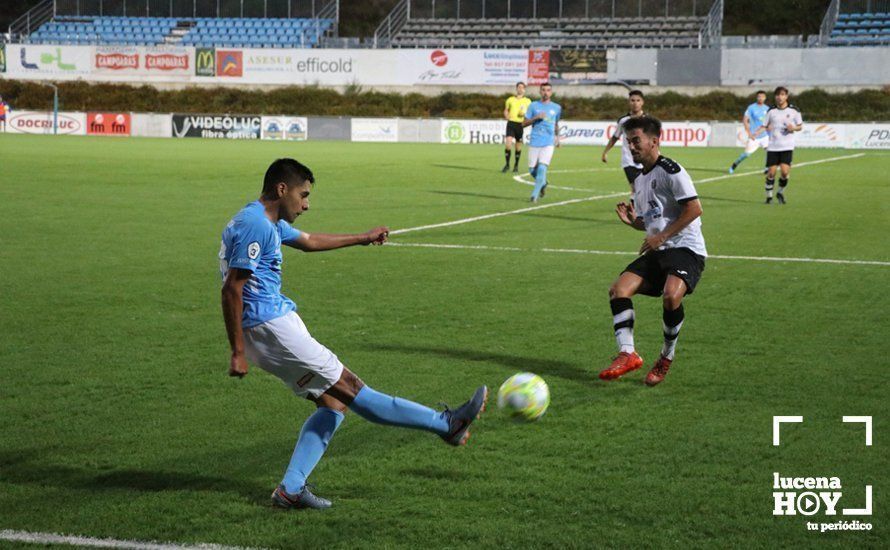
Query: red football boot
(659, 371)
(621, 365)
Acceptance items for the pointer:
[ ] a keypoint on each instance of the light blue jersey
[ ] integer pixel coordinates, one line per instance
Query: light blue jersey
(756, 119)
(543, 131)
(251, 241)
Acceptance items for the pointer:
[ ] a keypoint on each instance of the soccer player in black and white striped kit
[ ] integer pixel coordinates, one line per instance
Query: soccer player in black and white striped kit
(672, 256)
(782, 121)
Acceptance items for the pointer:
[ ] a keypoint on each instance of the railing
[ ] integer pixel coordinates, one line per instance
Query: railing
(393, 23)
(555, 9)
(712, 29)
(330, 11)
(828, 22)
(32, 19)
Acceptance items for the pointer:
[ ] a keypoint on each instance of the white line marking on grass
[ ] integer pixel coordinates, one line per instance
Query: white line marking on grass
(808, 163)
(595, 197)
(508, 213)
(625, 253)
(72, 540)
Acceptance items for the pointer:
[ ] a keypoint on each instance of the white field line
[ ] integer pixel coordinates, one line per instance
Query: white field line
(72, 540)
(520, 178)
(508, 213)
(625, 253)
(594, 198)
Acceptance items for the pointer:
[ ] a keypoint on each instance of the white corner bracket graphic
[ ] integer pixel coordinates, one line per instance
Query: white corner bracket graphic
(777, 423)
(861, 511)
(864, 420)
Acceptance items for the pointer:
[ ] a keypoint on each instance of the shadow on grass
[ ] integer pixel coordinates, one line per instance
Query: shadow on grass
(467, 168)
(723, 199)
(544, 367)
(481, 195)
(19, 467)
(712, 170)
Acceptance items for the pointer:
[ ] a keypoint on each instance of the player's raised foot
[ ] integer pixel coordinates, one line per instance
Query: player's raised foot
(622, 364)
(505, 168)
(459, 419)
(781, 198)
(732, 169)
(658, 372)
(769, 200)
(304, 499)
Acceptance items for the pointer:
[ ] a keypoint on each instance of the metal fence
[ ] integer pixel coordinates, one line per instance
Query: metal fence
(864, 6)
(555, 9)
(192, 8)
(49, 9)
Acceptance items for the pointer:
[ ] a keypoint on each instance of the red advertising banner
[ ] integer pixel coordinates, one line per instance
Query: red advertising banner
(538, 66)
(167, 61)
(117, 61)
(108, 124)
(229, 63)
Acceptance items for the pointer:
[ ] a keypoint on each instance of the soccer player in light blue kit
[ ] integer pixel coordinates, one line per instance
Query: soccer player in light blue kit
(754, 121)
(543, 116)
(263, 327)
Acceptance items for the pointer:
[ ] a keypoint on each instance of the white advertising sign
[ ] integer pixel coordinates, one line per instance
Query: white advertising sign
(41, 122)
(284, 128)
(52, 62)
(475, 131)
(462, 67)
(375, 129)
(820, 134)
(684, 134)
(584, 133)
(868, 136)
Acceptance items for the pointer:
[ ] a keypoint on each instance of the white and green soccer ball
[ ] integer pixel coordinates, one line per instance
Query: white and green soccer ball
(524, 396)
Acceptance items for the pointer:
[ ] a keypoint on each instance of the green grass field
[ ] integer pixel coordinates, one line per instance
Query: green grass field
(119, 420)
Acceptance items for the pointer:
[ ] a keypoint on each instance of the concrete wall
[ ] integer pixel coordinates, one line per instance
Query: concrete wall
(688, 67)
(326, 127)
(806, 66)
(420, 130)
(632, 65)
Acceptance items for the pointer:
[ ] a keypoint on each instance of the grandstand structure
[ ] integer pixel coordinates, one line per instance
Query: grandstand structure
(562, 24)
(855, 23)
(194, 23)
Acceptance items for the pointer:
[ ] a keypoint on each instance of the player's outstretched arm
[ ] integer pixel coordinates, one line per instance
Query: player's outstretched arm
(232, 307)
(318, 242)
(691, 210)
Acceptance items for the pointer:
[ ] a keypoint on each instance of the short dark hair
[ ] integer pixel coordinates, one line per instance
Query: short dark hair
(520, 82)
(546, 84)
(650, 125)
(288, 171)
(760, 92)
(635, 92)
(780, 89)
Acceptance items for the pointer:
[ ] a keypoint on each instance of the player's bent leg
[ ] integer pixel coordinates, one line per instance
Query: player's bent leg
(620, 294)
(672, 319)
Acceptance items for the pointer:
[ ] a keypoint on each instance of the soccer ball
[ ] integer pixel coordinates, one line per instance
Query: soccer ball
(525, 396)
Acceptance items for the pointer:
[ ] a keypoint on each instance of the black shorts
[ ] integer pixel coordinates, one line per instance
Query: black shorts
(655, 267)
(515, 130)
(775, 158)
(631, 172)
